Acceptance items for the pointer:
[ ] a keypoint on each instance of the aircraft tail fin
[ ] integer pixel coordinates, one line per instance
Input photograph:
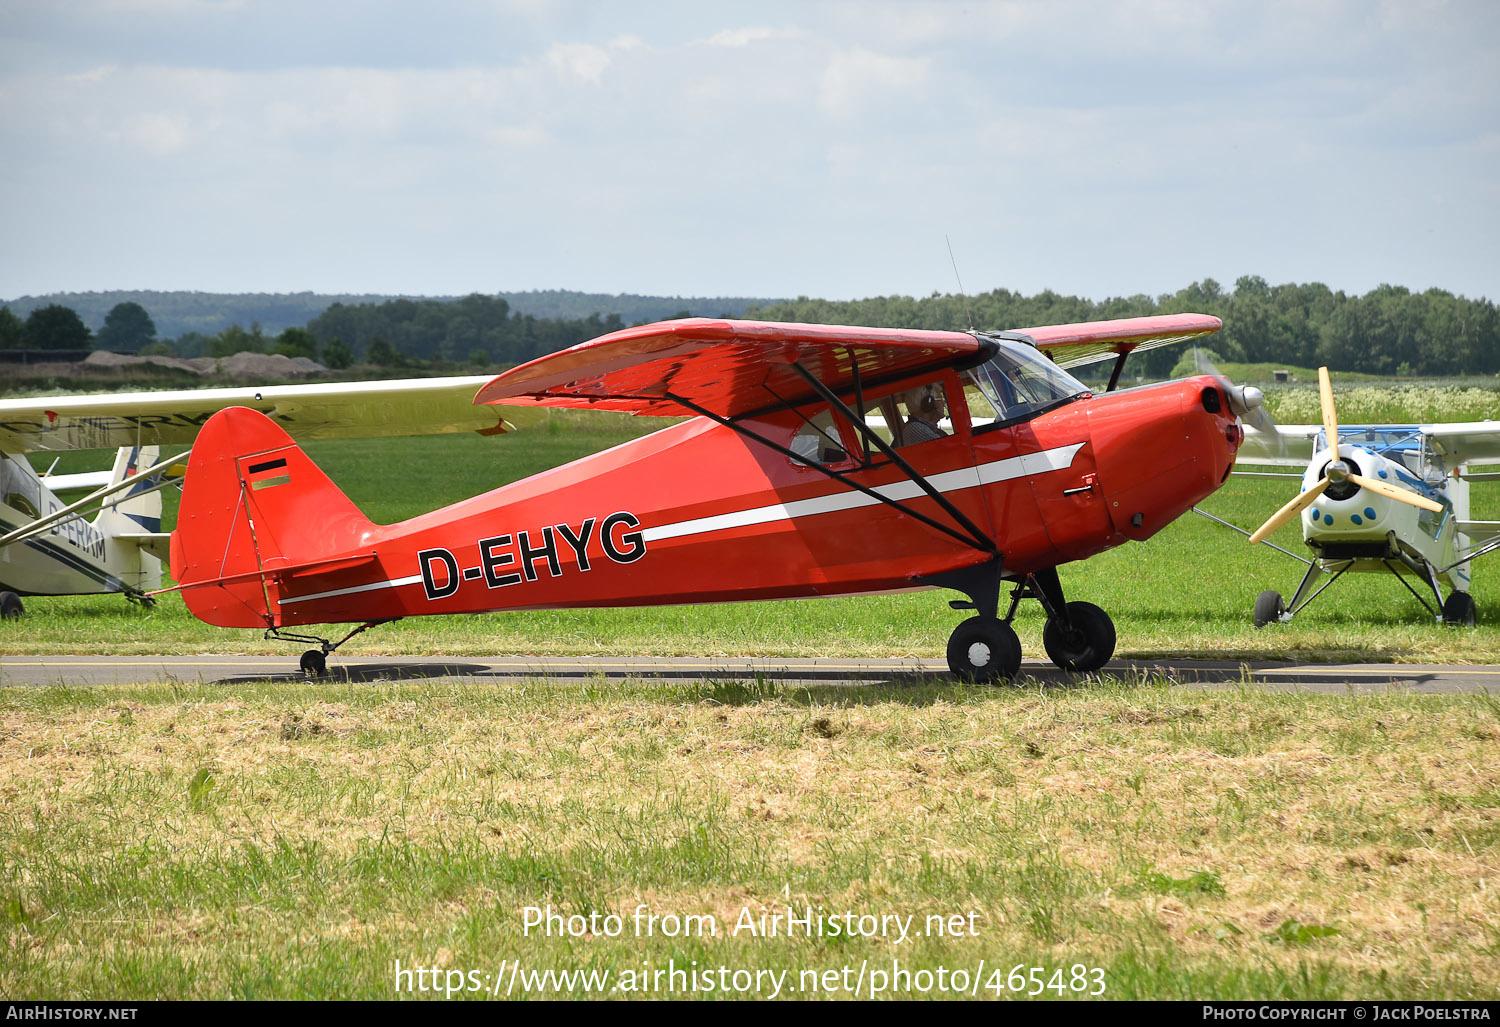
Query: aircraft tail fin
(256, 511)
(129, 517)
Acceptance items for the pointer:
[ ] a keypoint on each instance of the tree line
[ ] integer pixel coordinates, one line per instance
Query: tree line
(176, 313)
(1388, 331)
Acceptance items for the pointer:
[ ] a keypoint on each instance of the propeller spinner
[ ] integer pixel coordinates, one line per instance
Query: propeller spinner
(1247, 402)
(1337, 472)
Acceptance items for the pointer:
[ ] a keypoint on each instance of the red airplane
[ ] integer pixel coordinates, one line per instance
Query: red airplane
(799, 477)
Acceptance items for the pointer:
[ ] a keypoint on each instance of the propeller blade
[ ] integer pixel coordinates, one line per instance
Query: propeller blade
(1330, 418)
(1301, 502)
(1248, 402)
(1395, 492)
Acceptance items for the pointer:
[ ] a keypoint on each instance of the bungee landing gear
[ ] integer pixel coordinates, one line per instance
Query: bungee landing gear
(1078, 637)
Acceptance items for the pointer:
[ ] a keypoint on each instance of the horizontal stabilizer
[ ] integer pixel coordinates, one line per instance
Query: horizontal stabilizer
(157, 543)
(302, 572)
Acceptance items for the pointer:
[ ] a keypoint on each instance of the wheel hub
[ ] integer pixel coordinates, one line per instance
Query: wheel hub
(979, 654)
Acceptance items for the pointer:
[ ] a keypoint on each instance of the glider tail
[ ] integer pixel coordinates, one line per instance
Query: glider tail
(131, 521)
(256, 513)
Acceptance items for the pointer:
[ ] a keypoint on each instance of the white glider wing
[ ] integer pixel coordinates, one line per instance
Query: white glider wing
(1468, 442)
(1291, 446)
(409, 406)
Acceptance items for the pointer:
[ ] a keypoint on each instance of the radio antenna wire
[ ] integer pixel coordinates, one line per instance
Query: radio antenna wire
(961, 294)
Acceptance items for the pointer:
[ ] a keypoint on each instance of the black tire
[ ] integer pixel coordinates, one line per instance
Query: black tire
(1085, 646)
(1268, 608)
(10, 606)
(984, 650)
(1459, 610)
(314, 663)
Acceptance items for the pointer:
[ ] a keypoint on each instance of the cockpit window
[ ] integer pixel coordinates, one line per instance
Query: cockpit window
(1016, 383)
(818, 440)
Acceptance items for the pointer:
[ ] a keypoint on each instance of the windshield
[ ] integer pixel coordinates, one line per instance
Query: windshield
(1018, 382)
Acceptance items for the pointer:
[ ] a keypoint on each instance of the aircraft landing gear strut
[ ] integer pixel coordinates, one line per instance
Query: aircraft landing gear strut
(1078, 636)
(314, 663)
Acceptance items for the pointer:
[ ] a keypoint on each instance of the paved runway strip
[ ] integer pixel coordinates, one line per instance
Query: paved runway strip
(1316, 677)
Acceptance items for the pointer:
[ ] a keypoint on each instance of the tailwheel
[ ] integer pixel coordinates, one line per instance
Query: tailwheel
(1459, 610)
(10, 606)
(314, 663)
(1269, 608)
(984, 650)
(1085, 643)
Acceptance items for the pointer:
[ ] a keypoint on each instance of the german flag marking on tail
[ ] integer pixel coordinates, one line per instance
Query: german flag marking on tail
(260, 477)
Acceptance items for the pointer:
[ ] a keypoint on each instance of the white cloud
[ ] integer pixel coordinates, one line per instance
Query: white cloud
(746, 36)
(582, 60)
(92, 75)
(160, 133)
(853, 77)
(1135, 146)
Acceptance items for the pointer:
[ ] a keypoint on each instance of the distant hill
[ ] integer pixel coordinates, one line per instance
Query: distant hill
(175, 313)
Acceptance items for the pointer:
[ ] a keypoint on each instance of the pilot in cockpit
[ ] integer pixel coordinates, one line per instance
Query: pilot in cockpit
(925, 407)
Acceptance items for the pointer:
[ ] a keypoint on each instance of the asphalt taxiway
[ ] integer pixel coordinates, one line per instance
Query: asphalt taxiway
(88, 671)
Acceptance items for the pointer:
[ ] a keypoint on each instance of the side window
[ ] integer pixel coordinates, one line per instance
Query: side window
(924, 414)
(818, 440)
(982, 409)
(16, 501)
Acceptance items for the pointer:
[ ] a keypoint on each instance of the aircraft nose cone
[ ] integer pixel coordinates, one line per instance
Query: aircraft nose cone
(1245, 398)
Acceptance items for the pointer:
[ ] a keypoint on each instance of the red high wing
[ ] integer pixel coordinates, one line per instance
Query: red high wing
(1071, 345)
(727, 367)
(735, 367)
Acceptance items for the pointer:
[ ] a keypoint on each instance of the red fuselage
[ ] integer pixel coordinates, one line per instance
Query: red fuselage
(696, 513)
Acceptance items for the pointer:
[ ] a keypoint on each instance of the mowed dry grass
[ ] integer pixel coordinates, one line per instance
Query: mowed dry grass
(1190, 843)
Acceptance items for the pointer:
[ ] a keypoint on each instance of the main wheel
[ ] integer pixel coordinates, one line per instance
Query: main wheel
(1086, 645)
(1268, 608)
(314, 663)
(984, 650)
(10, 606)
(1459, 610)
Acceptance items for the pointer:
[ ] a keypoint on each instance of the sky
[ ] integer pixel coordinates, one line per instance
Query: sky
(818, 147)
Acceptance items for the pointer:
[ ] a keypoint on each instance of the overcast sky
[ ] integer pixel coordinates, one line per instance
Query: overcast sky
(739, 148)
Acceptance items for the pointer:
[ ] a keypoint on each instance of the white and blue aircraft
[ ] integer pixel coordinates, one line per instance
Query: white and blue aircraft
(1381, 498)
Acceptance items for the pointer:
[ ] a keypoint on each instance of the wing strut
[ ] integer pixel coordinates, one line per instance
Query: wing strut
(984, 545)
(1114, 376)
(984, 542)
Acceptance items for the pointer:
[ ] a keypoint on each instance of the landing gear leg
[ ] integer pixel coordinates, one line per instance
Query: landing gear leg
(314, 663)
(1078, 636)
(983, 649)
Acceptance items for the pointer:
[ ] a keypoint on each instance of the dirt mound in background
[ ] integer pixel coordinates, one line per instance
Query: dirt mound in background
(241, 365)
(268, 365)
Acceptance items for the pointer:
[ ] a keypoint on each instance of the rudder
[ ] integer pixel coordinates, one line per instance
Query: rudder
(253, 502)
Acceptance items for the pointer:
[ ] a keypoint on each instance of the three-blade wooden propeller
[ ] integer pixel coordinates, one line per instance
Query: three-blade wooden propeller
(1336, 471)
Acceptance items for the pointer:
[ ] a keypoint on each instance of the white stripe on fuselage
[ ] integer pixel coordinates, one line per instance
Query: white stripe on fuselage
(948, 481)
